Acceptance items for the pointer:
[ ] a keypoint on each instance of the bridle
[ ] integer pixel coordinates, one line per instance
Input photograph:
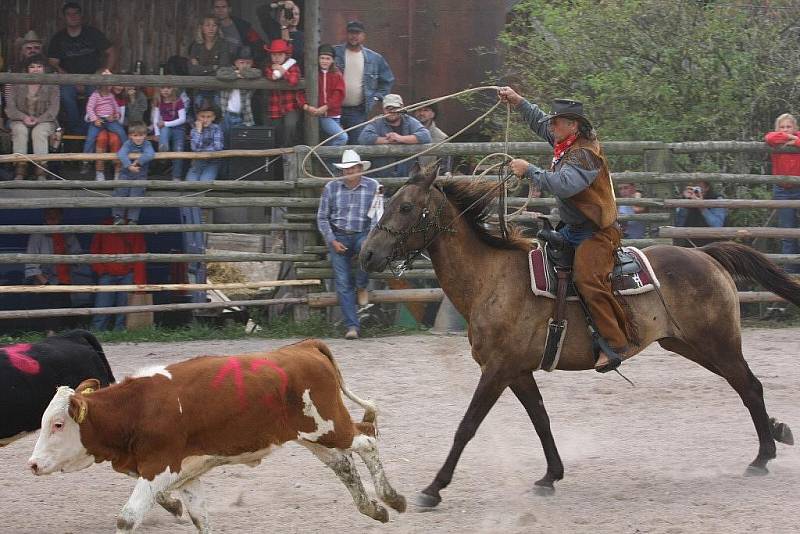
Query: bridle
(402, 259)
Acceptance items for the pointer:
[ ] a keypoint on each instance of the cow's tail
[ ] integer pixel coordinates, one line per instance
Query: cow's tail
(91, 340)
(744, 262)
(370, 410)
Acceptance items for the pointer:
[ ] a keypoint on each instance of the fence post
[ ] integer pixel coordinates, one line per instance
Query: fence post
(659, 160)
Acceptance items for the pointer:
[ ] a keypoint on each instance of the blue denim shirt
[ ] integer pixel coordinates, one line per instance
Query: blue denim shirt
(147, 155)
(378, 76)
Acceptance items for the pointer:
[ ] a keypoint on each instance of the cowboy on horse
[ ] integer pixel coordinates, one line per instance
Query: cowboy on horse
(580, 181)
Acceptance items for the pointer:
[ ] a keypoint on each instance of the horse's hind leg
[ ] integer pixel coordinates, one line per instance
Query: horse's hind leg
(729, 363)
(527, 391)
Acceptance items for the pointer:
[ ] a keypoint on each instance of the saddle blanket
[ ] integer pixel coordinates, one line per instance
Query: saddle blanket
(632, 276)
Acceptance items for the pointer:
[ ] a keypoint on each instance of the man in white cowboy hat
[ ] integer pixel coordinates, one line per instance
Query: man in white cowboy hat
(344, 221)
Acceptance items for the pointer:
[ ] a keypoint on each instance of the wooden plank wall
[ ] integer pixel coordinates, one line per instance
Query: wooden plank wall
(146, 30)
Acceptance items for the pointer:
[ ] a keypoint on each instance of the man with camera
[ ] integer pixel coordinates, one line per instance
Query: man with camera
(699, 217)
(281, 20)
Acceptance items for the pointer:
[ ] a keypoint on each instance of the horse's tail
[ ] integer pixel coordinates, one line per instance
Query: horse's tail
(743, 262)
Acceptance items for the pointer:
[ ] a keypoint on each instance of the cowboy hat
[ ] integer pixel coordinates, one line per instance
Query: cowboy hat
(278, 46)
(567, 108)
(350, 158)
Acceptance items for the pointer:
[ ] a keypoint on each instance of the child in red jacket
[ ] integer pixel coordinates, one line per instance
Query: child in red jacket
(283, 109)
(116, 273)
(331, 95)
(786, 164)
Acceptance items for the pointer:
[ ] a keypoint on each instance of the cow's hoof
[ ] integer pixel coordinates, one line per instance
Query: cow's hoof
(755, 471)
(424, 500)
(397, 502)
(381, 514)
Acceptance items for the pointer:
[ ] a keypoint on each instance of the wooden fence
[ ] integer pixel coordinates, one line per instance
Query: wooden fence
(299, 195)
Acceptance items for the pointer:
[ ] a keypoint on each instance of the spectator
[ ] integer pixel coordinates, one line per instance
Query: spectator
(699, 217)
(208, 53)
(426, 115)
(631, 229)
(50, 273)
(169, 117)
(132, 103)
(133, 170)
(394, 128)
(282, 22)
(206, 137)
(367, 77)
(110, 142)
(116, 273)
(283, 110)
(28, 46)
(331, 94)
(237, 107)
(343, 221)
(32, 110)
(102, 112)
(238, 32)
(78, 49)
(786, 164)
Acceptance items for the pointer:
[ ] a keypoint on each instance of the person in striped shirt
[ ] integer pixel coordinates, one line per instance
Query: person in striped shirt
(343, 219)
(102, 113)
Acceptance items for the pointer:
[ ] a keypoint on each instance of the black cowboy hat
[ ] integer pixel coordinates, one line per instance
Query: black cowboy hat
(565, 107)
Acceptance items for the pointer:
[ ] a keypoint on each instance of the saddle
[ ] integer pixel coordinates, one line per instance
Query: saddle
(551, 277)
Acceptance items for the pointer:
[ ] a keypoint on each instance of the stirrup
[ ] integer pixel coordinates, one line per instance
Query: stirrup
(614, 358)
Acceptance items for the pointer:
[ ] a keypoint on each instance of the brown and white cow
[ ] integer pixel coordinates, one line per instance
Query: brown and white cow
(169, 425)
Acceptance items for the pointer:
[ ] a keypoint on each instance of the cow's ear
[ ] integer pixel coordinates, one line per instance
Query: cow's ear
(88, 386)
(78, 407)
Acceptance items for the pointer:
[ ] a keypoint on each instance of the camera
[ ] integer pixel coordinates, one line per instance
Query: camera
(697, 190)
(288, 12)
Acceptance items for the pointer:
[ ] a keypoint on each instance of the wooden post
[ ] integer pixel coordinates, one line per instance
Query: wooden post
(659, 160)
(311, 35)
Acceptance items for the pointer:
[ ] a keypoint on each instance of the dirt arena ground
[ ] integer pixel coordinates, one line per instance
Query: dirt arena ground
(664, 457)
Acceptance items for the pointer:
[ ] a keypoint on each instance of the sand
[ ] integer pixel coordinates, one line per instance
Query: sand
(667, 456)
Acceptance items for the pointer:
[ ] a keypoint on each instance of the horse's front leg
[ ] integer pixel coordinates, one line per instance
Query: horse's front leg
(490, 386)
(527, 391)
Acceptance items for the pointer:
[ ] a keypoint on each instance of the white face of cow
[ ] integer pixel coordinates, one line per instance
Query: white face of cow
(59, 446)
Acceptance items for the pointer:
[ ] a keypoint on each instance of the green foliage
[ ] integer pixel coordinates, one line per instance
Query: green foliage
(651, 70)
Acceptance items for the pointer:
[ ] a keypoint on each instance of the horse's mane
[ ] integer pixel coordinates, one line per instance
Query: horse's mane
(463, 193)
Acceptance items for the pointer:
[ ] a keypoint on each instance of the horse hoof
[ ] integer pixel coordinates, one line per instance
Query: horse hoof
(755, 471)
(424, 500)
(781, 432)
(544, 491)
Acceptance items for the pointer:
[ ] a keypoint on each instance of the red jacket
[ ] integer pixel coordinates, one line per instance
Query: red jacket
(120, 244)
(784, 163)
(331, 92)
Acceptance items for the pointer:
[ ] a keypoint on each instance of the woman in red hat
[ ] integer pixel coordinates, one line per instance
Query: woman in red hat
(285, 105)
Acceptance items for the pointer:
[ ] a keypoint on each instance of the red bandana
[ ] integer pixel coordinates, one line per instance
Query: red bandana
(560, 148)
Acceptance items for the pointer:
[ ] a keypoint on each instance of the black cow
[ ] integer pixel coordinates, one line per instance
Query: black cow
(31, 372)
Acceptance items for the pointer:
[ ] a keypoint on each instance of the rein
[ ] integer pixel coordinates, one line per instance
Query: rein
(406, 257)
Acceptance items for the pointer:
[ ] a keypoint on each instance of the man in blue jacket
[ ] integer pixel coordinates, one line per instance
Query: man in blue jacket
(367, 77)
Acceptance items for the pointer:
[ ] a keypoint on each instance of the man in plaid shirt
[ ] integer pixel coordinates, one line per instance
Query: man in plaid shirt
(343, 219)
(284, 108)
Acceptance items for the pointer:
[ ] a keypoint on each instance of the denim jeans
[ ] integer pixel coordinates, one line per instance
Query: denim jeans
(346, 284)
(94, 130)
(229, 122)
(109, 299)
(788, 218)
(69, 103)
(131, 214)
(203, 170)
(329, 126)
(350, 117)
(172, 139)
(576, 236)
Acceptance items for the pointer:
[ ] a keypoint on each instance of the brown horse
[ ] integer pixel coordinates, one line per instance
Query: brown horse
(486, 278)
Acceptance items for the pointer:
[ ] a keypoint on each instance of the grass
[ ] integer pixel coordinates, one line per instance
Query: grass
(282, 328)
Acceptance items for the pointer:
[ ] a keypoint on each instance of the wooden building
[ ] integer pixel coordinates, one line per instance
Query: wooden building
(434, 47)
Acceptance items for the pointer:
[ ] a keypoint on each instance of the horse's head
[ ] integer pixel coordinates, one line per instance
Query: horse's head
(408, 223)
